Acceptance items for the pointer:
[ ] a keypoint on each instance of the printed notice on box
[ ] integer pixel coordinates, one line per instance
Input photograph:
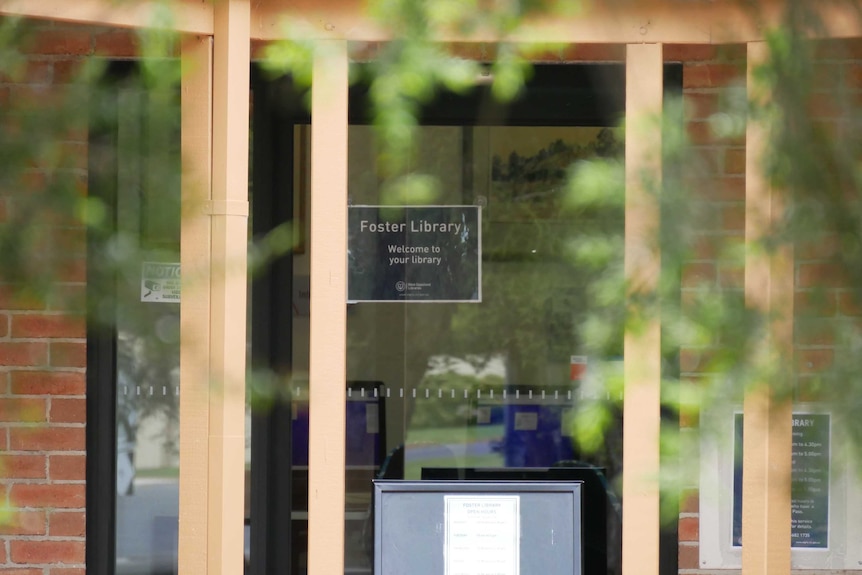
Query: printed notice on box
(482, 535)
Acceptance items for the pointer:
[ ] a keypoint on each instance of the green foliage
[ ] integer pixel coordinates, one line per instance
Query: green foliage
(817, 168)
(580, 293)
(295, 57)
(39, 180)
(414, 66)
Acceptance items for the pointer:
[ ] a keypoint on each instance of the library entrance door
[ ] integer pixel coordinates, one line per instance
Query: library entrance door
(466, 357)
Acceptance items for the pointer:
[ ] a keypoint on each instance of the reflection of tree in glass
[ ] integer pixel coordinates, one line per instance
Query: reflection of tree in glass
(534, 295)
(147, 375)
(534, 186)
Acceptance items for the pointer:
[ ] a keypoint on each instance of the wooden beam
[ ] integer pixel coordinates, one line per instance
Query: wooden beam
(642, 342)
(191, 16)
(197, 57)
(328, 338)
(767, 431)
(229, 216)
(656, 21)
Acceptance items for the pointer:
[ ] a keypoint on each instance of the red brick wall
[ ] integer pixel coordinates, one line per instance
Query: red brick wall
(43, 339)
(825, 298)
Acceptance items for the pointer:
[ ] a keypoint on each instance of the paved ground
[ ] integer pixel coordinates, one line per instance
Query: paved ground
(147, 528)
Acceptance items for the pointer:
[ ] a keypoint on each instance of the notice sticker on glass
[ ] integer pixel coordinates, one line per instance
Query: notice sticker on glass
(160, 282)
(414, 254)
(482, 535)
(372, 418)
(526, 421)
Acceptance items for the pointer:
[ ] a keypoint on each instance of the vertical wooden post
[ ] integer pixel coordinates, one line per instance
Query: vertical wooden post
(197, 57)
(328, 345)
(767, 439)
(229, 218)
(642, 345)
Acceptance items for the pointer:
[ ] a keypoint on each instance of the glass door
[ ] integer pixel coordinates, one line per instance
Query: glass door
(480, 379)
(486, 388)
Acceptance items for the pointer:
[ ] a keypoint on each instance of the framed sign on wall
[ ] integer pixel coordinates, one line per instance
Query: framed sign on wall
(824, 491)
